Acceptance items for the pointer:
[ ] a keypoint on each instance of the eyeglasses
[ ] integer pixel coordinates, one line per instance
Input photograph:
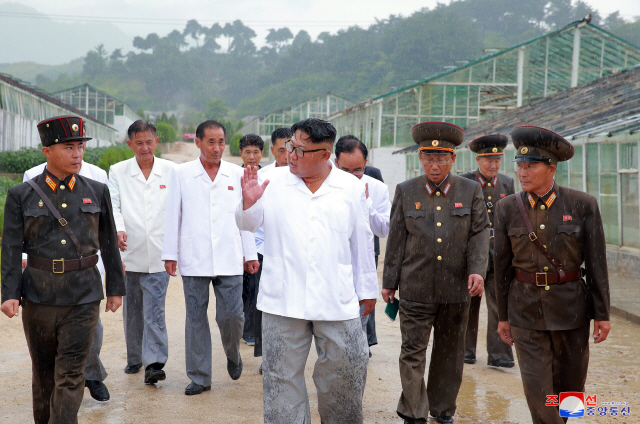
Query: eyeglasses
(299, 151)
(439, 162)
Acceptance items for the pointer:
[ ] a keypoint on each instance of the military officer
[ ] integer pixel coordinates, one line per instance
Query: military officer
(437, 254)
(543, 235)
(495, 186)
(61, 220)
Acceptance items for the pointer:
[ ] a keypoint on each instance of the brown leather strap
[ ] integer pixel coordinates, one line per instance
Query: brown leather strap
(60, 266)
(545, 278)
(57, 215)
(534, 238)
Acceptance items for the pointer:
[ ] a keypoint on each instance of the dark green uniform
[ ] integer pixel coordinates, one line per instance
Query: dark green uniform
(493, 190)
(59, 310)
(438, 237)
(549, 314)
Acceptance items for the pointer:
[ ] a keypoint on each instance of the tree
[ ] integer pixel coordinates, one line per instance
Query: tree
(240, 36)
(278, 38)
(193, 30)
(148, 43)
(216, 109)
(95, 61)
(166, 133)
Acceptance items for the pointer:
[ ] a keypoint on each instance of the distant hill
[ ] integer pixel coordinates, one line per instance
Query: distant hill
(43, 40)
(29, 70)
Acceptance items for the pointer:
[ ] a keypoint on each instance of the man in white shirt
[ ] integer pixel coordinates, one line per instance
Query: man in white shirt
(138, 188)
(201, 236)
(95, 374)
(318, 269)
(351, 156)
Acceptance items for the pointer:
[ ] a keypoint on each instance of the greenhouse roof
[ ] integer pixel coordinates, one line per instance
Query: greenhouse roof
(310, 99)
(91, 87)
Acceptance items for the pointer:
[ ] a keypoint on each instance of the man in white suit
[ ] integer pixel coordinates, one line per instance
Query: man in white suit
(95, 374)
(202, 238)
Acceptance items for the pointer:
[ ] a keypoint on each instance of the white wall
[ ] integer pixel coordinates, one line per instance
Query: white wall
(121, 124)
(393, 167)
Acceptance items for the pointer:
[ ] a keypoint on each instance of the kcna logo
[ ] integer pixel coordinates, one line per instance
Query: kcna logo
(576, 404)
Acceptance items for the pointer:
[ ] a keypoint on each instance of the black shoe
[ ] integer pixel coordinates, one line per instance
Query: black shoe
(412, 421)
(446, 418)
(152, 376)
(235, 371)
(505, 363)
(195, 389)
(132, 369)
(469, 359)
(250, 341)
(98, 390)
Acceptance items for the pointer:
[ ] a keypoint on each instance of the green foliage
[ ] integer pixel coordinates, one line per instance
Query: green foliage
(166, 132)
(19, 161)
(114, 154)
(216, 109)
(234, 144)
(5, 185)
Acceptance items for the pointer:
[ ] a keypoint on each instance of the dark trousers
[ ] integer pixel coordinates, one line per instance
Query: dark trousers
(551, 362)
(257, 322)
(59, 339)
(438, 396)
(372, 337)
(496, 348)
(250, 286)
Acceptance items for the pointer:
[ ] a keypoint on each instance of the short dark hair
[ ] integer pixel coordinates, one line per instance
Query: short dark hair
(280, 133)
(318, 130)
(210, 123)
(141, 126)
(251, 140)
(349, 143)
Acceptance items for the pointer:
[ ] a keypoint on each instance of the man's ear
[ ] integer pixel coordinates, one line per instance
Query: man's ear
(46, 151)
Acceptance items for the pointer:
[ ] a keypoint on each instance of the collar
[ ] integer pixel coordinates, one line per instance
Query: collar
(135, 167)
(334, 179)
(484, 180)
(53, 182)
(198, 168)
(548, 198)
(432, 188)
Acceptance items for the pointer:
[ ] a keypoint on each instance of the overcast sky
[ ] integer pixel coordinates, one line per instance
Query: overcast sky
(140, 17)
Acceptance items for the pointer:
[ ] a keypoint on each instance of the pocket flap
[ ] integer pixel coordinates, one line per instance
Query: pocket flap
(416, 214)
(90, 208)
(568, 228)
(518, 231)
(460, 211)
(36, 212)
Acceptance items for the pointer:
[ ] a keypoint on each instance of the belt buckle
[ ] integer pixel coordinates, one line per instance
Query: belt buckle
(545, 279)
(533, 236)
(59, 261)
(63, 221)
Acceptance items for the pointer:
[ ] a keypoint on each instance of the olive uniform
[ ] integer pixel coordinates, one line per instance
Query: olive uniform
(493, 189)
(60, 298)
(549, 311)
(438, 236)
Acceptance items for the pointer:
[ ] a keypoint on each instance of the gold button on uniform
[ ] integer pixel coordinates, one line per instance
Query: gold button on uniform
(438, 208)
(62, 187)
(489, 184)
(439, 258)
(491, 223)
(543, 207)
(64, 205)
(439, 240)
(437, 193)
(542, 226)
(546, 268)
(63, 241)
(489, 197)
(489, 211)
(439, 224)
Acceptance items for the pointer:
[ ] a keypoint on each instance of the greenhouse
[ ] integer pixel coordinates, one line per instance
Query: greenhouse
(22, 107)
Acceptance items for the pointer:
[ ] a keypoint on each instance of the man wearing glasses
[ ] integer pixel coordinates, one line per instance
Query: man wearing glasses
(318, 270)
(351, 156)
(437, 254)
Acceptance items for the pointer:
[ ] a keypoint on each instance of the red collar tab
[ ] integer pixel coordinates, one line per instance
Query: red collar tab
(72, 183)
(551, 199)
(531, 201)
(52, 184)
(430, 191)
(481, 180)
(446, 188)
(495, 181)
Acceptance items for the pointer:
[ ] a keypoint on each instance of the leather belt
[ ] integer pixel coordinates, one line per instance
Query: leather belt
(545, 278)
(60, 266)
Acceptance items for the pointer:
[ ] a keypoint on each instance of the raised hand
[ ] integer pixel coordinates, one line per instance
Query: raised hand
(252, 191)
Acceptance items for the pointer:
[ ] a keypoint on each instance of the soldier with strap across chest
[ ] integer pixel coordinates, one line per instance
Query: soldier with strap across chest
(544, 235)
(61, 220)
(495, 186)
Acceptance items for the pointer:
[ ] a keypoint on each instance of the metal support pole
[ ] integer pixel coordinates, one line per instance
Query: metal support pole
(575, 62)
(520, 76)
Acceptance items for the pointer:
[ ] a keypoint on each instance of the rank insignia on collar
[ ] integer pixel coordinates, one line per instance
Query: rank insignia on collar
(551, 199)
(230, 188)
(447, 187)
(481, 180)
(41, 203)
(52, 184)
(417, 205)
(72, 183)
(85, 201)
(458, 205)
(429, 189)
(531, 201)
(567, 218)
(163, 186)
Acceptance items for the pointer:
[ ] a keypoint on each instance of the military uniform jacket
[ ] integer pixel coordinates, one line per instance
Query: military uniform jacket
(438, 236)
(30, 227)
(493, 190)
(568, 223)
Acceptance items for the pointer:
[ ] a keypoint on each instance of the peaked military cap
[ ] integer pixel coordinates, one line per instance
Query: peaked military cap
(60, 129)
(535, 144)
(489, 146)
(437, 138)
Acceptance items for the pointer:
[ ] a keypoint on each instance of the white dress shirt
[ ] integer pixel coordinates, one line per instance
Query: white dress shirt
(139, 209)
(260, 233)
(318, 260)
(200, 231)
(379, 206)
(86, 170)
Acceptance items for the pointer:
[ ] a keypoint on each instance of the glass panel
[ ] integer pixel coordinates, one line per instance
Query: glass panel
(629, 156)
(403, 131)
(608, 158)
(389, 105)
(630, 210)
(575, 165)
(386, 138)
(408, 102)
(562, 174)
(593, 185)
(609, 210)
(609, 184)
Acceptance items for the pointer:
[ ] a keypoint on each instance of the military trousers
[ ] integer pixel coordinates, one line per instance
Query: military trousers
(496, 348)
(252, 316)
(438, 396)
(339, 374)
(143, 309)
(59, 339)
(551, 362)
(229, 317)
(94, 369)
